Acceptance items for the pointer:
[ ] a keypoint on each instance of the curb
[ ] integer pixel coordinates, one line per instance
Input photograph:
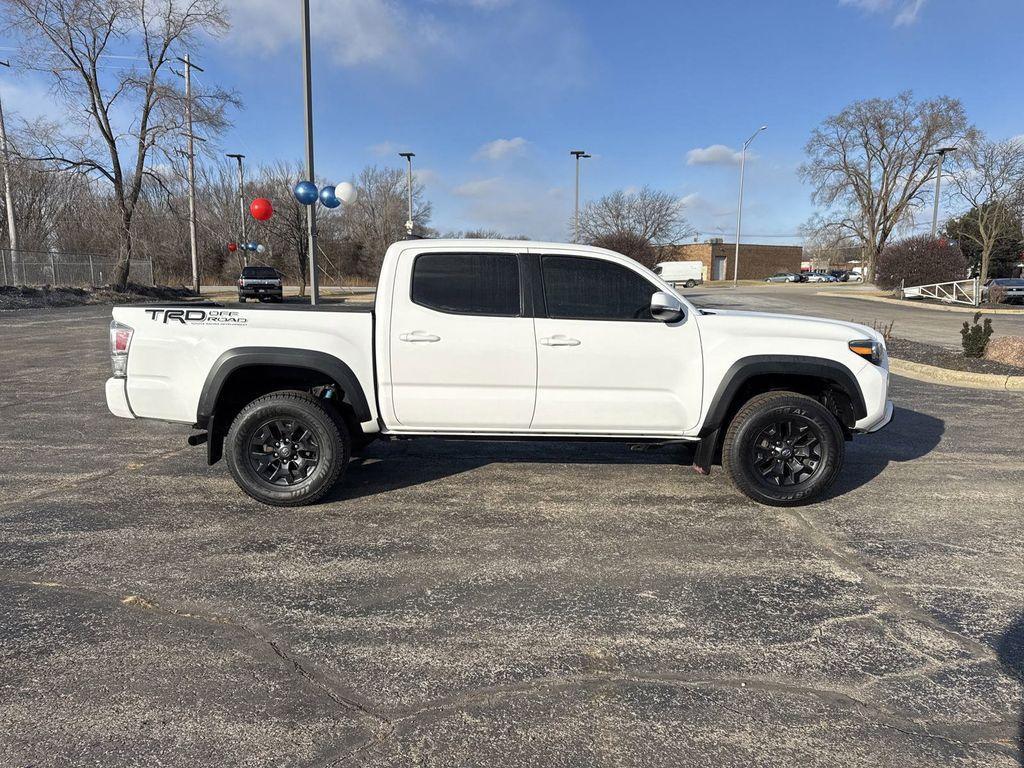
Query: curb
(922, 304)
(951, 378)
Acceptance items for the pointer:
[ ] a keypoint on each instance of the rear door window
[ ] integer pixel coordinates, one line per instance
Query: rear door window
(468, 283)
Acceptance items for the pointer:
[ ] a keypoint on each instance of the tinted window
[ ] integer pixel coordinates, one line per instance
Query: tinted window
(468, 283)
(591, 289)
(259, 273)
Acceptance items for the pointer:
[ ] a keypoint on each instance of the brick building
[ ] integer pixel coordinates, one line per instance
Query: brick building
(756, 261)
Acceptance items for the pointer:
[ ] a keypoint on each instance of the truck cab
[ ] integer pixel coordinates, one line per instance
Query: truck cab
(503, 340)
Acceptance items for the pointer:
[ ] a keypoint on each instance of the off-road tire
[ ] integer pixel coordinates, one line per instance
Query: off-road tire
(749, 432)
(329, 435)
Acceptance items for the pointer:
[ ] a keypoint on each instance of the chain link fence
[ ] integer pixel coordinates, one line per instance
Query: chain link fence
(71, 269)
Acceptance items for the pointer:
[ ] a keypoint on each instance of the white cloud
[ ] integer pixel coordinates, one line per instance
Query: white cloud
(426, 176)
(907, 11)
(384, 148)
(380, 32)
(514, 207)
(501, 148)
(716, 154)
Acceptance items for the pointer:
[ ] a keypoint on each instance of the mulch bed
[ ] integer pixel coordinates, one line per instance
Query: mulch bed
(26, 297)
(929, 354)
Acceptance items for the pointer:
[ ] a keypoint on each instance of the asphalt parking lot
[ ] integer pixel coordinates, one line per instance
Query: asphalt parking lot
(499, 604)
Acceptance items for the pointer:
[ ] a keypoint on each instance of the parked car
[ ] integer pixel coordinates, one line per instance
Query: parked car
(818, 277)
(502, 340)
(841, 275)
(785, 277)
(1013, 287)
(261, 283)
(685, 273)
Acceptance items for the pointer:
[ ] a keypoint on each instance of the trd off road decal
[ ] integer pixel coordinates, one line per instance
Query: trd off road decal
(197, 316)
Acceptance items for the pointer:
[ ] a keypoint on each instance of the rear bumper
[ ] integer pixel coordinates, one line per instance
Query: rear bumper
(117, 398)
(256, 292)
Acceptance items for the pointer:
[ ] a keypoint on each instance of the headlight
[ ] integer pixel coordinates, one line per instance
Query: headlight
(869, 349)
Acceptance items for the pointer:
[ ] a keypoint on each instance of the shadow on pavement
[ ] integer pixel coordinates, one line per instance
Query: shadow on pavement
(1010, 650)
(911, 435)
(393, 466)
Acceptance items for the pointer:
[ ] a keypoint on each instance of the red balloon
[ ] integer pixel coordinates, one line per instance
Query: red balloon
(261, 209)
(232, 247)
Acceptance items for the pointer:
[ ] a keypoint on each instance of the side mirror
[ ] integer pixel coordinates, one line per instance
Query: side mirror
(667, 308)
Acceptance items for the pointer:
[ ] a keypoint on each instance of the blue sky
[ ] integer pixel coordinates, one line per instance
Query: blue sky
(492, 94)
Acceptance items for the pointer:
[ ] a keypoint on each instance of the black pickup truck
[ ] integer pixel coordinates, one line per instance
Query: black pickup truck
(262, 283)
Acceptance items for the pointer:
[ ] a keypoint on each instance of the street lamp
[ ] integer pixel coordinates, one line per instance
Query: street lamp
(578, 154)
(241, 195)
(941, 152)
(739, 208)
(409, 156)
(12, 228)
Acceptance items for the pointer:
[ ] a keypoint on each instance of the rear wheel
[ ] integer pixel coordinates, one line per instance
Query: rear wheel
(690, 283)
(285, 449)
(783, 449)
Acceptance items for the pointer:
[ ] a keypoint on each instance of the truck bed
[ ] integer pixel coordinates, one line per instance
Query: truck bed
(177, 347)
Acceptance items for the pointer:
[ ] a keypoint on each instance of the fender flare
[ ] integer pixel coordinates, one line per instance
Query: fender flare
(746, 368)
(243, 357)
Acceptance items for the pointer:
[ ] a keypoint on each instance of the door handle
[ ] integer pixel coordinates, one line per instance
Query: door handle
(419, 336)
(559, 340)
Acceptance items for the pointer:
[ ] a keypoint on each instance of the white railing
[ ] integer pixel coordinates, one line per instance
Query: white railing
(954, 292)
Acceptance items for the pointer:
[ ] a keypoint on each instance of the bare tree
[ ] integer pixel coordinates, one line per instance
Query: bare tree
(868, 164)
(120, 111)
(989, 177)
(377, 218)
(651, 214)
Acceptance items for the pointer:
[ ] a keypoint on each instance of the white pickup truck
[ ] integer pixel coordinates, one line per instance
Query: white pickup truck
(502, 340)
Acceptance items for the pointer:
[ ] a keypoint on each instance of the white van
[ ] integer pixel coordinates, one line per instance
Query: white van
(687, 273)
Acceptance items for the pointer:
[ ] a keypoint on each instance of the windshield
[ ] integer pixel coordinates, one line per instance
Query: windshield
(1015, 282)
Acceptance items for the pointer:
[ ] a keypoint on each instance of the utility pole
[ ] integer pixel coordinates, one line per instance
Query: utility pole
(241, 205)
(942, 152)
(739, 207)
(578, 154)
(189, 66)
(12, 229)
(409, 156)
(307, 71)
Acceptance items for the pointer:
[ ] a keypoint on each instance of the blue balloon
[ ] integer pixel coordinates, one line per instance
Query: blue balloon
(305, 192)
(328, 198)
(252, 246)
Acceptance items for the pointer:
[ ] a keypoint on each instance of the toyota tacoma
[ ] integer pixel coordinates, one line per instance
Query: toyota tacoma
(502, 340)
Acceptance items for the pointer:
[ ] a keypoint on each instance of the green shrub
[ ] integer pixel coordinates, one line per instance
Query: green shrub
(976, 336)
(918, 261)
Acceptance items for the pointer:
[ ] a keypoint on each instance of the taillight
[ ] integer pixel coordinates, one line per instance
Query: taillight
(120, 341)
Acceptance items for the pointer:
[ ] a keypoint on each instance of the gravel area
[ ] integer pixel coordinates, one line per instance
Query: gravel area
(929, 354)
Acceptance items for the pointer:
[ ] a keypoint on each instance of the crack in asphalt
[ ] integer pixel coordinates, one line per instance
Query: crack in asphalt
(885, 588)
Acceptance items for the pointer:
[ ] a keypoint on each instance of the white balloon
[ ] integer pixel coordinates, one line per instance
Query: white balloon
(260, 248)
(346, 192)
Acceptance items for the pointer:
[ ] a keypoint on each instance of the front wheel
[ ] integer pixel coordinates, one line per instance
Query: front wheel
(783, 449)
(286, 449)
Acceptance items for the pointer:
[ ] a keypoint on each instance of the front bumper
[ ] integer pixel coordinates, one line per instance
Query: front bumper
(882, 422)
(256, 292)
(117, 398)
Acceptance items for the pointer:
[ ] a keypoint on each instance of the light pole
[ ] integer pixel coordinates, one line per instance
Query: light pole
(409, 156)
(12, 229)
(307, 73)
(578, 154)
(189, 66)
(739, 207)
(241, 200)
(942, 152)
